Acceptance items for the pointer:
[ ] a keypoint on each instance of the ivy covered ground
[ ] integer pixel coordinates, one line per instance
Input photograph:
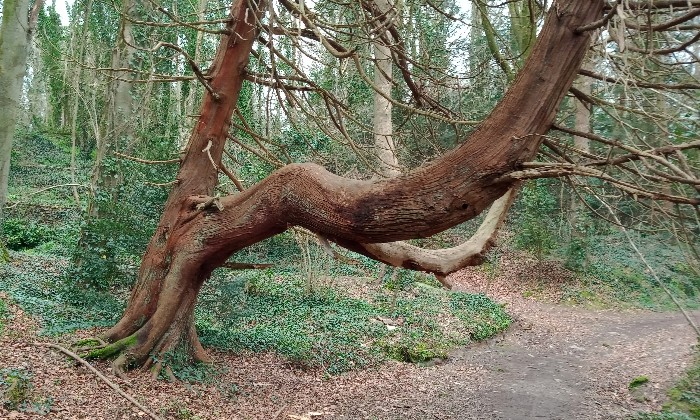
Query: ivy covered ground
(334, 361)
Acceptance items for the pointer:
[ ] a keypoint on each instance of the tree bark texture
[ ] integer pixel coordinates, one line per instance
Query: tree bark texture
(197, 232)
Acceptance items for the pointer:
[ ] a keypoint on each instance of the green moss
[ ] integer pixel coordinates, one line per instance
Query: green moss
(417, 349)
(3, 315)
(638, 381)
(16, 386)
(112, 349)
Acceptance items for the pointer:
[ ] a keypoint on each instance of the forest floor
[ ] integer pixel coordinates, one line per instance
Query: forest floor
(556, 361)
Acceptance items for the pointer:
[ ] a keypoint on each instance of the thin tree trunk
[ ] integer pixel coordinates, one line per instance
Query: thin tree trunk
(383, 128)
(118, 125)
(582, 123)
(582, 112)
(39, 104)
(190, 101)
(74, 128)
(523, 27)
(77, 48)
(197, 232)
(15, 34)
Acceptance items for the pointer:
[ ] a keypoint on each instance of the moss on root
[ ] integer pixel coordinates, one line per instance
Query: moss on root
(110, 350)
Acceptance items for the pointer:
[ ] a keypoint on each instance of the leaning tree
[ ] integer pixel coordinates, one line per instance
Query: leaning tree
(199, 230)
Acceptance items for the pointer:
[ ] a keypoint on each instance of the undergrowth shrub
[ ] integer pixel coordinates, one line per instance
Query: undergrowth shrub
(38, 284)
(16, 384)
(533, 218)
(97, 258)
(111, 242)
(616, 268)
(18, 392)
(3, 315)
(23, 234)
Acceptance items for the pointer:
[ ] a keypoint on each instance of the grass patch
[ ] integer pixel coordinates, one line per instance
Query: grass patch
(322, 327)
(683, 399)
(329, 327)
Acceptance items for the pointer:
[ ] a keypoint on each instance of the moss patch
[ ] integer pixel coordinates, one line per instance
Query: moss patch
(638, 381)
(683, 399)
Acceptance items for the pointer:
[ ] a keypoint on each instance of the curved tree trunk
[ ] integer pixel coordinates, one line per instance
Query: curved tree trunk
(197, 233)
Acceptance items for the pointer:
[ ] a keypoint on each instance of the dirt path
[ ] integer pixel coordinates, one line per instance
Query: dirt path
(555, 362)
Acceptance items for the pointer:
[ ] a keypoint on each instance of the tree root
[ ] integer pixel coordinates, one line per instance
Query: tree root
(89, 341)
(111, 384)
(88, 344)
(105, 351)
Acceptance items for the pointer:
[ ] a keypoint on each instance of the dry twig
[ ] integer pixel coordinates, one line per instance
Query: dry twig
(111, 384)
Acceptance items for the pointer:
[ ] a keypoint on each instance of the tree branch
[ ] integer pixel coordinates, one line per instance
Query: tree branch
(442, 262)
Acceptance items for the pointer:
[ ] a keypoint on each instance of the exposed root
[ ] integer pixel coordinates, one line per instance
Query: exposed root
(171, 375)
(111, 384)
(118, 367)
(88, 344)
(156, 369)
(109, 350)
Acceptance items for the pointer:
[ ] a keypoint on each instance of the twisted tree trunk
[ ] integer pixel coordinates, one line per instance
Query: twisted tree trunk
(197, 232)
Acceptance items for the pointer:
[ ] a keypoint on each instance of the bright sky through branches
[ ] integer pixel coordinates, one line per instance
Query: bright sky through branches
(62, 9)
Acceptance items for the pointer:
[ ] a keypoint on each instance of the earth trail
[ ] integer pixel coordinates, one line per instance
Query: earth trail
(555, 362)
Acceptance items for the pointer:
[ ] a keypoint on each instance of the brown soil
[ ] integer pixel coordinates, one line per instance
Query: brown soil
(555, 362)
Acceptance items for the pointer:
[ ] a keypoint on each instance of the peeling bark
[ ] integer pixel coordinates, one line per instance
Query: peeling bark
(191, 240)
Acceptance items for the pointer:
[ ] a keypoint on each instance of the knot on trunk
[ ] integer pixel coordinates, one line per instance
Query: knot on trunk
(211, 202)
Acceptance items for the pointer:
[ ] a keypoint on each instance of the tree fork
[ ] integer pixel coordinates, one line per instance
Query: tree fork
(190, 243)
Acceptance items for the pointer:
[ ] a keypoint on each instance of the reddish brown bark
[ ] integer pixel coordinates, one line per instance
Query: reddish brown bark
(158, 303)
(191, 241)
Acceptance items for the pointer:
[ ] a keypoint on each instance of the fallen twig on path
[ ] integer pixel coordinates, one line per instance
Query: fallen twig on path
(111, 384)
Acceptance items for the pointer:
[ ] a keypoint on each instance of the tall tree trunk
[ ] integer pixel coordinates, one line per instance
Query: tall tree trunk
(382, 124)
(197, 232)
(582, 111)
(76, 49)
(582, 123)
(117, 126)
(191, 95)
(523, 26)
(39, 104)
(15, 34)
